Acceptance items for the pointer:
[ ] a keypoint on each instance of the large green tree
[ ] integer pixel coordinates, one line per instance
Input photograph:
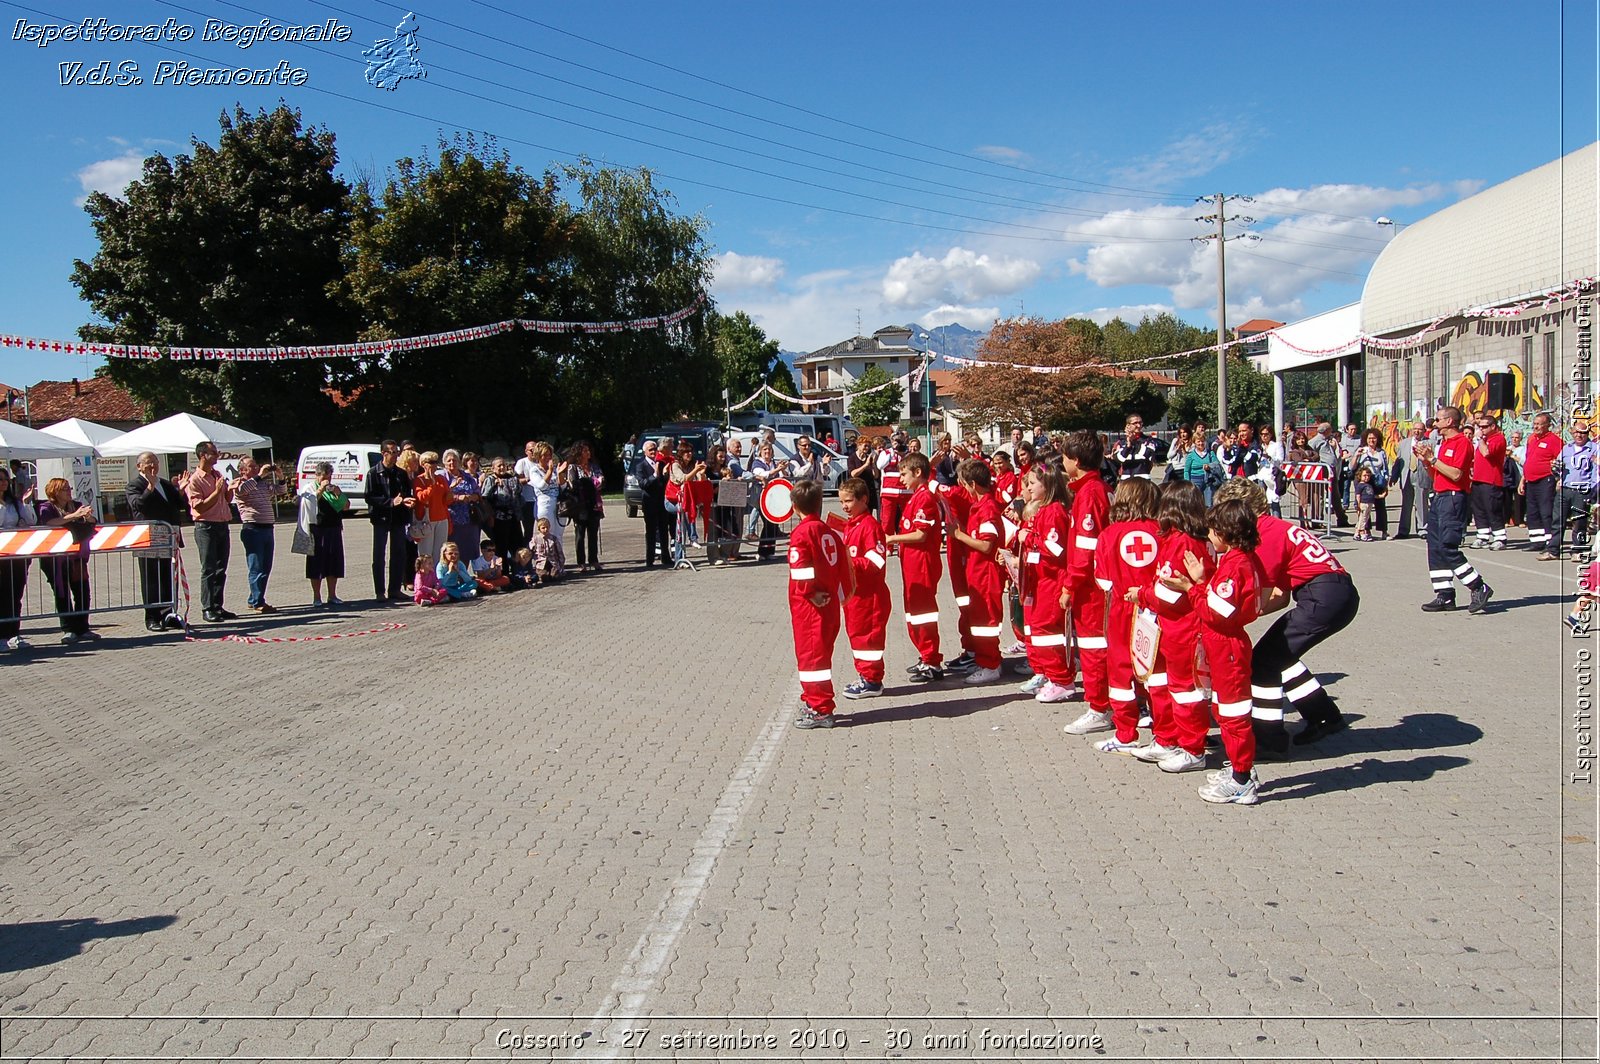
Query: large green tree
(1120, 397)
(232, 245)
(461, 240)
(1249, 392)
(875, 408)
(743, 351)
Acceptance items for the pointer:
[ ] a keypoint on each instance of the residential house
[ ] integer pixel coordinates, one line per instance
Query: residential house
(828, 372)
(94, 399)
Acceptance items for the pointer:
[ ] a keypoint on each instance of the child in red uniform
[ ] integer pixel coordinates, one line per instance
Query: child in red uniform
(819, 576)
(981, 540)
(1005, 478)
(866, 613)
(957, 507)
(1044, 585)
(1177, 703)
(1082, 457)
(920, 567)
(1125, 557)
(1226, 602)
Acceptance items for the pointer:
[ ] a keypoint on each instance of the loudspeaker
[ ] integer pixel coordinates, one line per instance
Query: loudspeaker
(1502, 389)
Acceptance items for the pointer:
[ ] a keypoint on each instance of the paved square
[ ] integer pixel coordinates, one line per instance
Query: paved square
(540, 826)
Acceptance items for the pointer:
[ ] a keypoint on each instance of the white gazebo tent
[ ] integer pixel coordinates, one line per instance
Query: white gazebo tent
(180, 434)
(81, 470)
(19, 441)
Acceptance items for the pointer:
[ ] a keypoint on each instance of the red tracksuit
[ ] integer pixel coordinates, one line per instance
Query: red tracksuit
(1044, 566)
(1125, 557)
(1177, 702)
(891, 496)
(1225, 603)
(1090, 505)
(985, 582)
(817, 562)
(866, 613)
(958, 506)
(1005, 487)
(920, 569)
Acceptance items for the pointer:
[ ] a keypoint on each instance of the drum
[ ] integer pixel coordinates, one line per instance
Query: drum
(775, 504)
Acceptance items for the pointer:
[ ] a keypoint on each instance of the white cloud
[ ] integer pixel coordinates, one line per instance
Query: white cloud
(1132, 313)
(969, 317)
(733, 270)
(1189, 156)
(111, 176)
(962, 276)
(1000, 153)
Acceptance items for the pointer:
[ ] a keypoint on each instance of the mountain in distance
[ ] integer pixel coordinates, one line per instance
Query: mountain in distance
(954, 340)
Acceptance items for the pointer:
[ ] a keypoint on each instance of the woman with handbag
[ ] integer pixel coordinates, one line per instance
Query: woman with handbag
(583, 483)
(431, 526)
(321, 520)
(68, 573)
(502, 498)
(1371, 455)
(1200, 465)
(465, 494)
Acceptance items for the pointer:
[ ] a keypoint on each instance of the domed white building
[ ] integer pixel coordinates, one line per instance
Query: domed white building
(1480, 288)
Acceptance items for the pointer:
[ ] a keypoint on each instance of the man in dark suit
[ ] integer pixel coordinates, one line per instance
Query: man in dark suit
(151, 497)
(652, 481)
(389, 502)
(1407, 475)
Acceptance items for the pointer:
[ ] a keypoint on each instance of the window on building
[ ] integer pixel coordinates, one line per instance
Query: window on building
(1428, 394)
(1394, 389)
(1411, 394)
(1547, 374)
(1447, 383)
(1527, 359)
(869, 365)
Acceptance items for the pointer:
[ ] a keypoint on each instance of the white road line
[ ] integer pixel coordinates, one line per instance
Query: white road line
(640, 975)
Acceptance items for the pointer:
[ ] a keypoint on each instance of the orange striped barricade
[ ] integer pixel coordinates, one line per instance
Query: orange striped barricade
(1307, 500)
(117, 564)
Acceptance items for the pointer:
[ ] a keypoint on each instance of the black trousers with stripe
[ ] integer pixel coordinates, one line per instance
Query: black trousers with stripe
(1540, 496)
(1323, 606)
(1447, 524)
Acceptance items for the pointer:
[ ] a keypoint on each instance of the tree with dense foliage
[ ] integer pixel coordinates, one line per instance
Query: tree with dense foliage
(236, 245)
(1120, 397)
(876, 408)
(997, 392)
(1249, 392)
(743, 351)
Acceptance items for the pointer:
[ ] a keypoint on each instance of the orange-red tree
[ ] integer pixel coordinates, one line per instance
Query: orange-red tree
(1000, 393)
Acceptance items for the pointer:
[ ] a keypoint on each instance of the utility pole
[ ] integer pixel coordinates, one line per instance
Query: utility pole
(1221, 217)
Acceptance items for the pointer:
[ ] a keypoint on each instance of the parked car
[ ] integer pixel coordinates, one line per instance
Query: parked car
(351, 463)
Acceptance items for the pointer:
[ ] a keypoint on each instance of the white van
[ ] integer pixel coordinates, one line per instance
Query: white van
(350, 461)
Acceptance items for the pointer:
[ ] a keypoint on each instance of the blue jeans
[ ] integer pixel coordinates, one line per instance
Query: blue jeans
(258, 543)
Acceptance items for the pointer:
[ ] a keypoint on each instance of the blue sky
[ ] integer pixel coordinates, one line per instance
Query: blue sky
(937, 162)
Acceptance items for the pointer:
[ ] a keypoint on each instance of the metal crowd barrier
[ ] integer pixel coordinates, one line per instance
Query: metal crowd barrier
(1307, 499)
(106, 573)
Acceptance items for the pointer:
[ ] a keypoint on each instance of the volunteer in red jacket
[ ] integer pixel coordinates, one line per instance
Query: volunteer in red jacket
(1005, 478)
(920, 567)
(819, 577)
(957, 505)
(1083, 456)
(1177, 702)
(1044, 584)
(980, 541)
(891, 491)
(1538, 484)
(1489, 483)
(866, 613)
(1225, 603)
(1293, 563)
(1125, 558)
(1451, 469)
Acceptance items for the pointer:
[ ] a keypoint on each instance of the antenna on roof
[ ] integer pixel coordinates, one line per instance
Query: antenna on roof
(858, 321)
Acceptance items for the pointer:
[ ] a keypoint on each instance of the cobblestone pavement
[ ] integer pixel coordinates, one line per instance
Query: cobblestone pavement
(538, 826)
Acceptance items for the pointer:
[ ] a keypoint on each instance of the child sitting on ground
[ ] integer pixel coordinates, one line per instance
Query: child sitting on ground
(488, 571)
(425, 589)
(549, 561)
(454, 576)
(522, 575)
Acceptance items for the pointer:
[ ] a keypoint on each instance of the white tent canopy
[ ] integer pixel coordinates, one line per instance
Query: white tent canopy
(180, 434)
(88, 435)
(19, 441)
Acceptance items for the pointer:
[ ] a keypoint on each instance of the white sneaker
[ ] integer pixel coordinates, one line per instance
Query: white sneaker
(1181, 761)
(16, 642)
(1089, 722)
(1229, 791)
(1117, 746)
(1033, 685)
(1145, 721)
(1154, 752)
(1054, 692)
(1014, 648)
(977, 676)
(68, 638)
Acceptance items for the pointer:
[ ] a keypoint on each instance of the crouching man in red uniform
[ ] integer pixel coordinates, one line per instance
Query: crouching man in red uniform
(819, 579)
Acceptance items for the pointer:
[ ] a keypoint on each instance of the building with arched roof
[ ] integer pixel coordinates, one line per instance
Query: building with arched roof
(1501, 282)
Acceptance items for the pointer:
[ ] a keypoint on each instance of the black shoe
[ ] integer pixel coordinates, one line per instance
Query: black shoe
(1440, 604)
(965, 663)
(927, 673)
(810, 718)
(227, 615)
(1320, 729)
(1480, 598)
(213, 616)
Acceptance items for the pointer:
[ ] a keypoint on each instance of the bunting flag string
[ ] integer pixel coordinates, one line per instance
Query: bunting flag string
(365, 349)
